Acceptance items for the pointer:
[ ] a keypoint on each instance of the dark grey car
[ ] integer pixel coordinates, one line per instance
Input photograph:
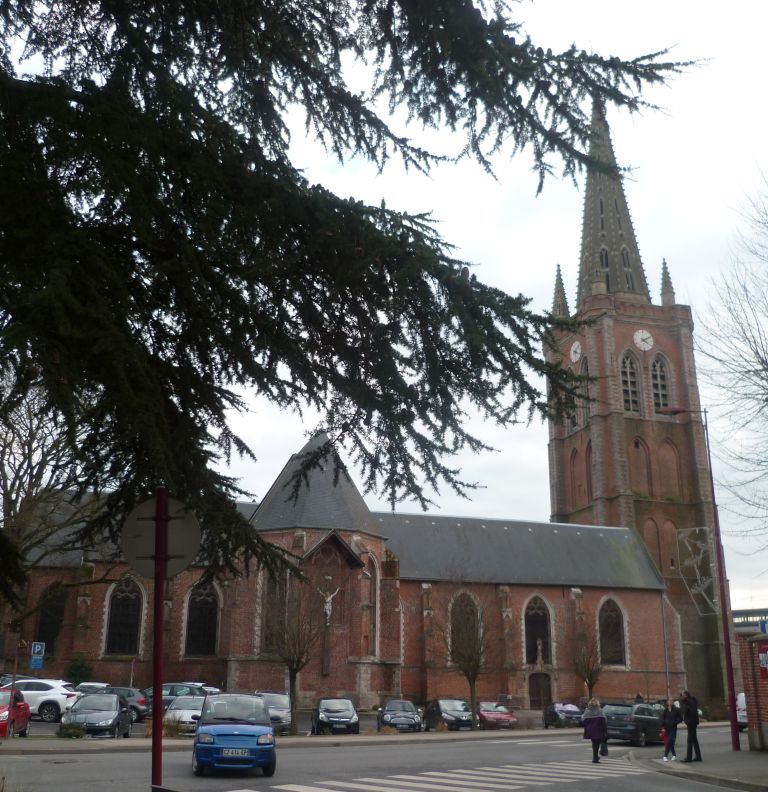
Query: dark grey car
(137, 700)
(100, 714)
(455, 714)
(638, 723)
(279, 707)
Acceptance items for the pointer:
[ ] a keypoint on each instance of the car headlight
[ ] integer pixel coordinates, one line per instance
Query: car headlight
(205, 738)
(266, 739)
(323, 716)
(353, 719)
(387, 718)
(3, 716)
(417, 719)
(107, 722)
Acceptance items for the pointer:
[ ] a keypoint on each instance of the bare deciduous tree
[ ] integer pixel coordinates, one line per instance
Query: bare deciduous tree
(733, 343)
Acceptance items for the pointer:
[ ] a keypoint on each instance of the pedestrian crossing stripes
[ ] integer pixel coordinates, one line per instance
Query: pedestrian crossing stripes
(479, 779)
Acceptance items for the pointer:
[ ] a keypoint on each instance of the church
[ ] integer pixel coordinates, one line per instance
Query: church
(614, 593)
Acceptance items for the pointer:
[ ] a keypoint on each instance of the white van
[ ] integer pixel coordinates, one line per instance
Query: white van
(741, 711)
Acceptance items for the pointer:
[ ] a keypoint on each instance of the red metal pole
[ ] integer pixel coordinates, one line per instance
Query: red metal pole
(161, 565)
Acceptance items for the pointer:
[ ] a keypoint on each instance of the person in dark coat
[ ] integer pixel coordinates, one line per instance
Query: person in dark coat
(670, 717)
(690, 707)
(595, 727)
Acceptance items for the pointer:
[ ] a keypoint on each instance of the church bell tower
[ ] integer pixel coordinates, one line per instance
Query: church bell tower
(634, 454)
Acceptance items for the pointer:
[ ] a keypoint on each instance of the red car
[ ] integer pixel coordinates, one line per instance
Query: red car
(491, 715)
(14, 718)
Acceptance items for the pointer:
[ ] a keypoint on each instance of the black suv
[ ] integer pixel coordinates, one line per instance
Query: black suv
(334, 715)
(638, 723)
(279, 708)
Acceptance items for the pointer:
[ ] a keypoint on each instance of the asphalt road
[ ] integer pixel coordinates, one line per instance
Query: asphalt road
(345, 764)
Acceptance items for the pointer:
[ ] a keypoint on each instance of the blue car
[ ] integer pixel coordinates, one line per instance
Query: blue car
(233, 732)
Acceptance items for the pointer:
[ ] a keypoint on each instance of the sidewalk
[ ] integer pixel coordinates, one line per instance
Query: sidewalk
(720, 765)
(745, 769)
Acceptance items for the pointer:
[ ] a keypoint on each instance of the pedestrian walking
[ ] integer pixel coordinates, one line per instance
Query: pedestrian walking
(690, 714)
(670, 718)
(595, 727)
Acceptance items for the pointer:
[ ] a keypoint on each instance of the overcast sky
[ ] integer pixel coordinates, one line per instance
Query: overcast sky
(695, 163)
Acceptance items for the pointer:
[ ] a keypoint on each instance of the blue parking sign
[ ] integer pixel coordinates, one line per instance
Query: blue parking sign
(38, 648)
(36, 661)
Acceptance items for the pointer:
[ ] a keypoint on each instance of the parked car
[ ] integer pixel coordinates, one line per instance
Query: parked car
(559, 713)
(205, 686)
(6, 678)
(399, 714)
(638, 723)
(234, 732)
(14, 714)
(99, 714)
(334, 715)
(491, 715)
(137, 700)
(91, 687)
(741, 711)
(454, 713)
(47, 698)
(279, 709)
(180, 712)
(173, 689)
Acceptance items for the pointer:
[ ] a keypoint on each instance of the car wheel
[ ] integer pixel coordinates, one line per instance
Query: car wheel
(426, 726)
(197, 769)
(49, 712)
(11, 729)
(356, 729)
(128, 730)
(642, 739)
(134, 715)
(25, 731)
(269, 770)
(116, 732)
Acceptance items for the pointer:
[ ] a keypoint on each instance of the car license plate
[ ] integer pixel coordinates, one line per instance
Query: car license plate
(235, 752)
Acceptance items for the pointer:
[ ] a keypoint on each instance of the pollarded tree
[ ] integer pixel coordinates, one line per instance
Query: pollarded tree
(160, 254)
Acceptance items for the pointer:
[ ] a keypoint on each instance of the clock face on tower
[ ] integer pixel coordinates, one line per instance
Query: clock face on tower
(643, 340)
(575, 351)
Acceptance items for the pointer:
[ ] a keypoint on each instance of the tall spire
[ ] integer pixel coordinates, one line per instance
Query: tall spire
(667, 291)
(610, 259)
(560, 302)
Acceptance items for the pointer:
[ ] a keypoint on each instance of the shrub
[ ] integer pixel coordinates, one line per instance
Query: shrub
(79, 670)
(71, 730)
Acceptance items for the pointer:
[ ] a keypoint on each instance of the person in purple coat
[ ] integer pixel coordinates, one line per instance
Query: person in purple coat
(595, 727)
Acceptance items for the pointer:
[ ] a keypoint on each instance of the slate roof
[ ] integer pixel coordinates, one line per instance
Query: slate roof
(320, 504)
(480, 550)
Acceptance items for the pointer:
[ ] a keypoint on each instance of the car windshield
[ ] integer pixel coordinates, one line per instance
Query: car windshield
(187, 703)
(567, 708)
(276, 700)
(96, 701)
(238, 709)
(336, 705)
(400, 706)
(454, 704)
(617, 709)
(489, 706)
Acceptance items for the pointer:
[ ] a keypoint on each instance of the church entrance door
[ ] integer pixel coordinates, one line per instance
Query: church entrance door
(539, 691)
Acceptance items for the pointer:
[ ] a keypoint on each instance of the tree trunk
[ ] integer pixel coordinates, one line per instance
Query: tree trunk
(293, 692)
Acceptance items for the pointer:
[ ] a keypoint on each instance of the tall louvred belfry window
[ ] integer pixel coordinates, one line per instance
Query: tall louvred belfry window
(660, 382)
(628, 276)
(629, 386)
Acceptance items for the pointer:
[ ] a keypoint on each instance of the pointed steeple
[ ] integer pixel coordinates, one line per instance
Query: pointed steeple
(610, 259)
(560, 302)
(667, 291)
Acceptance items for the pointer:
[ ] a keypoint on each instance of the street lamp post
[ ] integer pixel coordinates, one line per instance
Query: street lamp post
(735, 743)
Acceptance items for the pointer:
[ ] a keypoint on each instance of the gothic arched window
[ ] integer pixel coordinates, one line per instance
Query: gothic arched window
(273, 611)
(611, 625)
(466, 634)
(202, 621)
(629, 387)
(51, 616)
(660, 383)
(537, 642)
(125, 607)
